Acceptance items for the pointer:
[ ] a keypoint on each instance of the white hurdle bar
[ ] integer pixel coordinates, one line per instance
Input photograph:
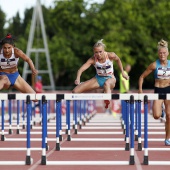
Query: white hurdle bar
(84, 96)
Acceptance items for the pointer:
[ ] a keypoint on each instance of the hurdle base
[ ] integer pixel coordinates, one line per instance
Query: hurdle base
(132, 160)
(28, 160)
(80, 127)
(84, 122)
(68, 138)
(23, 126)
(136, 137)
(75, 131)
(17, 131)
(127, 147)
(57, 147)
(47, 147)
(145, 160)
(66, 131)
(10, 131)
(2, 137)
(60, 138)
(139, 146)
(43, 160)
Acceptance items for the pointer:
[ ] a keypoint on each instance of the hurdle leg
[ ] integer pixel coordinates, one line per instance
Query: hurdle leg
(145, 159)
(23, 115)
(139, 126)
(126, 105)
(68, 110)
(80, 116)
(66, 132)
(28, 156)
(75, 116)
(132, 160)
(60, 122)
(44, 130)
(18, 113)
(10, 115)
(58, 102)
(84, 113)
(123, 117)
(3, 118)
(136, 120)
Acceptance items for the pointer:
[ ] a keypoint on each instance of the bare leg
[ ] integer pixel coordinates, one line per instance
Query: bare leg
(86, 86)
(22, 86)
(167, 123)
(157, 108)
(108, 86)
(4, 82)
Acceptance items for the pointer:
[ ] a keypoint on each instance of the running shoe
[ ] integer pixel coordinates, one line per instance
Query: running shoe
(167, 142)
(107, 102)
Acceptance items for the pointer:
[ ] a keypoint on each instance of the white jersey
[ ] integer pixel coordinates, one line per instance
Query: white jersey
(104, 69)
(6, 63)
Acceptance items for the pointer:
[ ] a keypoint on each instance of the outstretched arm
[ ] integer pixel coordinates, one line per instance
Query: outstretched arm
(84, 67)
(113, 56)
(19, 53)
(150, 68)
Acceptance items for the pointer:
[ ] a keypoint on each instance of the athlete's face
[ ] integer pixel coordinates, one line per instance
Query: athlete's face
(7, 49)
(163, 54)
(99, 52)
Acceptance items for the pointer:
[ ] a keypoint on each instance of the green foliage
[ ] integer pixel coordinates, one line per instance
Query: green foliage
(130, 28)
(2, 23)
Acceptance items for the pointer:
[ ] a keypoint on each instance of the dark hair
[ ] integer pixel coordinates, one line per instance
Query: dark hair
(9, 39)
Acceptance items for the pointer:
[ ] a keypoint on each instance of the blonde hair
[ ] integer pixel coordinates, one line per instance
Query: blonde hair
(162, 44)
(99, 43)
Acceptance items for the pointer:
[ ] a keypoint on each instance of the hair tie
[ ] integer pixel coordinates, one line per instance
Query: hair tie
(8, 36)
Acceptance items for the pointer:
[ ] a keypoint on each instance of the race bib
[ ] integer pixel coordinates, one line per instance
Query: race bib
(163, 73)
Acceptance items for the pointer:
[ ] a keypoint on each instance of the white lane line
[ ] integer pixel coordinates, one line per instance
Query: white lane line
(88, 163)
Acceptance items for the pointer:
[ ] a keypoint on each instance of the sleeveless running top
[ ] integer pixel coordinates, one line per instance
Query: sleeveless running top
(104, 69)
(6, 63)
(162, 72)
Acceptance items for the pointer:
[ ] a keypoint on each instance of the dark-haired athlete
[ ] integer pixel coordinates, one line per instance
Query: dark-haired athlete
(9, 75)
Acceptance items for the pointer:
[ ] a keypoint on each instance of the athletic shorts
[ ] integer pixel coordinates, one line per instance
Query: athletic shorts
(11, 76)
(102, 79)
(163, 90)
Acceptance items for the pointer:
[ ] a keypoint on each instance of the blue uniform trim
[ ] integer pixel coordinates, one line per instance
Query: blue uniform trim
(11, 76)
(102, 79)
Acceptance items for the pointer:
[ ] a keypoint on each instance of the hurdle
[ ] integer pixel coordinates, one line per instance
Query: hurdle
(145, 98)
(68, 98)
(71, 97)
(28, 98)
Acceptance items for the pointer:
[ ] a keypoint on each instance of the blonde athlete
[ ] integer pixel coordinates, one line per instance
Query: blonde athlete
(103, 62)
(9, 75)
(161, 69)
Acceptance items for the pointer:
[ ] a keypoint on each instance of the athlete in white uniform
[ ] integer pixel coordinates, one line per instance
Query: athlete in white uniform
(161, 69)
(9, 76)
(103, 62)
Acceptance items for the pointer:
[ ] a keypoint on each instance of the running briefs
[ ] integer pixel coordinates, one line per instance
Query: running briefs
(101, 79)
(11, 76)
(163, 90)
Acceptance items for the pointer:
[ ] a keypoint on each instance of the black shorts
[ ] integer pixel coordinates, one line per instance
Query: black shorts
(163, 90)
